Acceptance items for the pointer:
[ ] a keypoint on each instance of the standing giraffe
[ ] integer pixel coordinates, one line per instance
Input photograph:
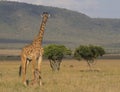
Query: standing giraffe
(33, 51)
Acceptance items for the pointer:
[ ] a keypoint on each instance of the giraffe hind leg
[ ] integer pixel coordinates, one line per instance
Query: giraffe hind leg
(24, 67)
(20, 70)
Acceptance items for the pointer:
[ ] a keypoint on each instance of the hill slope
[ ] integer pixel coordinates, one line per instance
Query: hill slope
(19, 24)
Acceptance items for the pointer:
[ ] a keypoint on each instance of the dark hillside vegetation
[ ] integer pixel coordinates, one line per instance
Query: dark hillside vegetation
(20, 22)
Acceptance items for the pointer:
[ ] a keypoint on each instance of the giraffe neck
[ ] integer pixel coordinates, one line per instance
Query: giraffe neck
(39, 38)
(42, 29)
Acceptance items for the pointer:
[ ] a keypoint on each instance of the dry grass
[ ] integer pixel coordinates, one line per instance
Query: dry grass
(73, 77)
(13, 52)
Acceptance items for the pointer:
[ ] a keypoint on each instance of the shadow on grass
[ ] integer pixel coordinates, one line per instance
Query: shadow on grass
(95, 70)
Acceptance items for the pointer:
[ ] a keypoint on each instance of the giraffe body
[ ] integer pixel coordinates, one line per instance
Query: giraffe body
(33, 51)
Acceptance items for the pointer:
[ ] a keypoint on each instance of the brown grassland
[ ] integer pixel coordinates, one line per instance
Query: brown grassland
(74, 76)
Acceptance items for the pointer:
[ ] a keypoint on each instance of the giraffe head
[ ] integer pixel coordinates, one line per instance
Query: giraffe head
(45, 15)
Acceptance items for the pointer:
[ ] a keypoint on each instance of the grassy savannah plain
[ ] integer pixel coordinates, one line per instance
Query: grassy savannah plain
(74, 76)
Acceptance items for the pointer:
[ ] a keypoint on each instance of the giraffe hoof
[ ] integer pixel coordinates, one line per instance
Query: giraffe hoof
(26, 83)
(40, 84)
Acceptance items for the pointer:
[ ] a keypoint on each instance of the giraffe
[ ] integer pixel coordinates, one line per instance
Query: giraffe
(33, 52)
(37, 77)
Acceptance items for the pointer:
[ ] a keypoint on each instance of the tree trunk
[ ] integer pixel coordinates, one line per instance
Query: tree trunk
(55, 65)
(89, 64)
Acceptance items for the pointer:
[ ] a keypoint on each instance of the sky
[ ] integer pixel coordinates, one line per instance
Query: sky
(92, 8)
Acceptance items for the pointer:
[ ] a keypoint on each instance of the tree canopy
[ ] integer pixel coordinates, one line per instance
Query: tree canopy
(55, 53)
(88, 53)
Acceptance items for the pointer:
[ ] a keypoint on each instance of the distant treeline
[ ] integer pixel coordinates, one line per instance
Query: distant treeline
(9, 58)
(17, 58)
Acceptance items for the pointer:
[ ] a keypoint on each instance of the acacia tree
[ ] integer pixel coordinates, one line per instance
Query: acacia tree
(55, 53)
(88, 53)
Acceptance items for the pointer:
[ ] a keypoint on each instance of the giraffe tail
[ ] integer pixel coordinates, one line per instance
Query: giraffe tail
(20, 70)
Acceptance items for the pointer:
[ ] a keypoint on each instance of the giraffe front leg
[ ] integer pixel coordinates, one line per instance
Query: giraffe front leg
(40, 80)
(39, 69)
(33, 68)
(40, 59)
(39, 63)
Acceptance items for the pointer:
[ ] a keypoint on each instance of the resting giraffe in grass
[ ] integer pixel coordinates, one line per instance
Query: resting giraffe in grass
(33, 52)
(37, 79)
